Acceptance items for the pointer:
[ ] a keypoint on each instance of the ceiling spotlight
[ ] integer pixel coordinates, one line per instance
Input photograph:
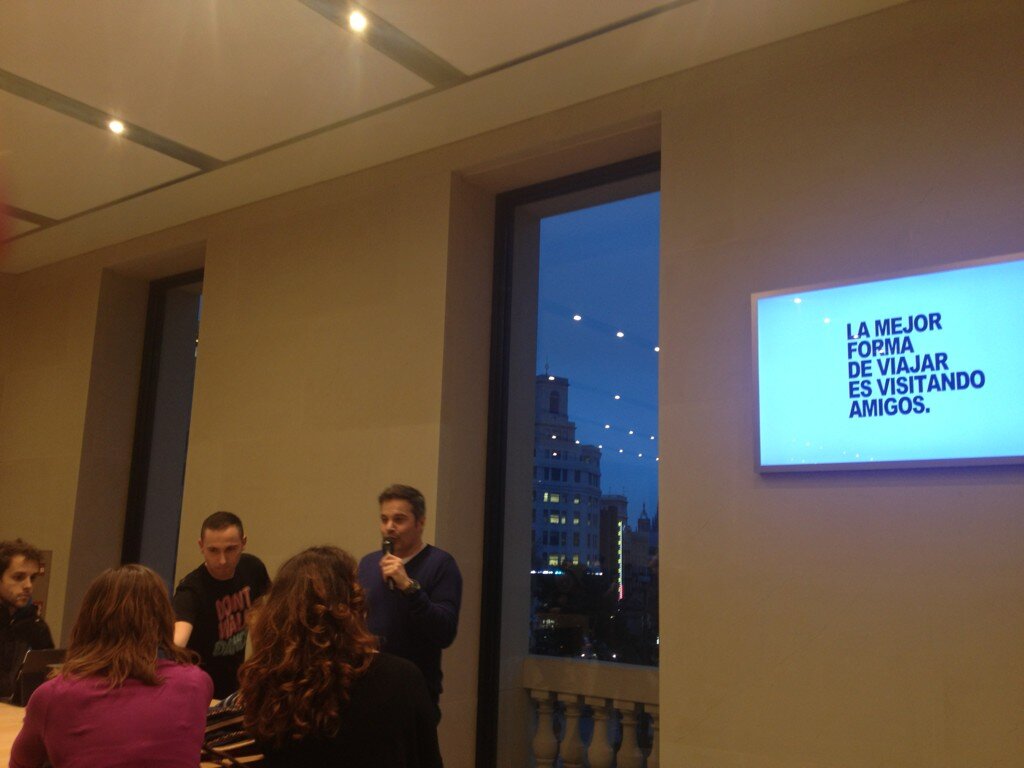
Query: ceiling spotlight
(798, 300)
(657, 349)
(619, 334)
(577, 318)
(601, 447)
(621, 450)
(116, 126)
(639, 455)
(618, 397)
(551, 378)
(631, 431)
(357, 21)
(607, 426)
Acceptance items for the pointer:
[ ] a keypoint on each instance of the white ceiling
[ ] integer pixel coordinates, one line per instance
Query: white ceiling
(231, 101)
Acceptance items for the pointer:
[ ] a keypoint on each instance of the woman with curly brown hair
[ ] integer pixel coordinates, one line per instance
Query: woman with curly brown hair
(316, 691)
(126, 695)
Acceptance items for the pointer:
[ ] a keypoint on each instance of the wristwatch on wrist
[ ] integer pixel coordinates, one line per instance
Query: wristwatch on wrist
(412, 589)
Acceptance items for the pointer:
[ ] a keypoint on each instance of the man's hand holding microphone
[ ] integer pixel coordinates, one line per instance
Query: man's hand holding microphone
(392, 569)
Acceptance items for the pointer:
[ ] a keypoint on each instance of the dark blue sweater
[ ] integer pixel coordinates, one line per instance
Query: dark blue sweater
(416, 627)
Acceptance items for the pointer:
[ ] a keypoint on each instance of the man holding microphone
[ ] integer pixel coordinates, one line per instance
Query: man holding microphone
(413, 589)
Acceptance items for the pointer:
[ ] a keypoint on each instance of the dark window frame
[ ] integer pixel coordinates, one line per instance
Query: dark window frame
(502, 298)
(138, 478)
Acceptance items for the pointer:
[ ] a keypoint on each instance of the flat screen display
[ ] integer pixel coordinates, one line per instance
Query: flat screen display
(917, 369)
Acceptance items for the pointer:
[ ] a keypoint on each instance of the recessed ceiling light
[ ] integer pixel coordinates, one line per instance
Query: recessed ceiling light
(618, 397)
(657, 349)
(607, 426)
(357, 21)
(551, 378)
(620, 334)
(577, 318)
(116, 126)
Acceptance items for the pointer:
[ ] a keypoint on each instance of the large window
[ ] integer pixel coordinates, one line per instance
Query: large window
(571, 525)
(594, 588)
(156, 485)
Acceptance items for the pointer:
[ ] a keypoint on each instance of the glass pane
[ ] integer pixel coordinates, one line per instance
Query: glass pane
(594, 570)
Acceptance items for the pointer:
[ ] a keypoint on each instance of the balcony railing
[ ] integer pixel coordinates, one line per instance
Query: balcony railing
(593, 714)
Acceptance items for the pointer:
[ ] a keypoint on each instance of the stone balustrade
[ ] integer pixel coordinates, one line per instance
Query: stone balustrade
(592, 714)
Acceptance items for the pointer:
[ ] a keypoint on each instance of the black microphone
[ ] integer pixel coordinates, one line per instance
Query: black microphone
(388, 548)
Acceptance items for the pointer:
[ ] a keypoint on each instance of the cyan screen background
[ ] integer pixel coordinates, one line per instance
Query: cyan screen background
(803, 381)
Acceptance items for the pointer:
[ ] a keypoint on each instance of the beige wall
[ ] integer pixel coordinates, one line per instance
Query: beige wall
(842, 619)
(44, 373)
(107, 434)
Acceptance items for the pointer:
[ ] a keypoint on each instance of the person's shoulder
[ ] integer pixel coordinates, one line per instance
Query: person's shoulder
(395, 668)
(186, 675)
(60, 689)
(403, 680)
(370, 558)
(28, 612)
(251, 562)
(247, 560)
(436, 553)
(177, 669)
(50, 688)
(40, 635)
(251, 568)
(27, 616)
(440, 557)
(191, 579)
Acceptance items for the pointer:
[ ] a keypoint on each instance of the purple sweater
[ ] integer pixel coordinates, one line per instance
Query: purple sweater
(85, 724)
(416, 627)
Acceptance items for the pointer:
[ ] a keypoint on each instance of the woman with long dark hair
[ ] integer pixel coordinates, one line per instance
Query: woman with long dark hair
(316, 691)
(125, 695)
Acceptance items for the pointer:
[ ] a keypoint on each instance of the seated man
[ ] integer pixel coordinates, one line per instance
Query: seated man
(211, 604)
(21, 629)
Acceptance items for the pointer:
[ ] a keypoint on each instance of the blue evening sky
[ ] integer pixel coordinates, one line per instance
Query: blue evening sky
(602, 263)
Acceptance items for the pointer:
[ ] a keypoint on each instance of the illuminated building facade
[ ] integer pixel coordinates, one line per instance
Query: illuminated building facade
(566, 484)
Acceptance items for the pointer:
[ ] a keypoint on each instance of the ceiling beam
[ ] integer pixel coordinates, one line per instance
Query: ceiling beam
(30, 217)
(97, 118)
(392, 42)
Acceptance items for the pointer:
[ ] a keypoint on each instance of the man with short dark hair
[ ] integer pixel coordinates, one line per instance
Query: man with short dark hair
(21, 629)
(415, 591)
(211, 604)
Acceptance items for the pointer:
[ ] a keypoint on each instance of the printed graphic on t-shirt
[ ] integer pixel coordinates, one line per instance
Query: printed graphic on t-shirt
(232, 612)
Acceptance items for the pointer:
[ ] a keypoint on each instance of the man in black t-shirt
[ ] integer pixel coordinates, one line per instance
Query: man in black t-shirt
(211, 604)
